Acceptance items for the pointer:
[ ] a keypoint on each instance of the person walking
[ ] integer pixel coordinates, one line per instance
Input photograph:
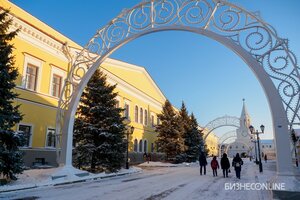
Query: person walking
(237, 163)
(225, 165)
(214, 165)
(202, 162)
(266, 158)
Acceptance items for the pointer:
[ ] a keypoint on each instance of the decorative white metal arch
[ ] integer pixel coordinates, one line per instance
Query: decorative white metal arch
(226, 135)
(220, 122)
(256, 42)
(224, 138)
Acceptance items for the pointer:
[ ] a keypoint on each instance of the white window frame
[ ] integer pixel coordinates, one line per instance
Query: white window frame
(141, 115)
(46, 140)
(118, 99)
(138, 111)
(59, 72)
(146, 117)
(30, 60)
(31, 133)
(152, 122)
(128, 103)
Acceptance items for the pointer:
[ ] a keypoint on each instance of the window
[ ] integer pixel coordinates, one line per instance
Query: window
(152, 147)
(31, 77)
(126, 111)
(243, 147)
(26, 129)
(136, 114)
(157, 121)
(145, 146)
(50, 142)
(135, 145)
(270, 146)
(141, 146)
(141, 115)
(146, 117)
(117, 105)
(263, 146)
(152, 120)
(32, 71)
(56, 85)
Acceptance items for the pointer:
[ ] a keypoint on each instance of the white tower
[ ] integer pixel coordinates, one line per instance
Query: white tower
(243, 133)
(242, 144)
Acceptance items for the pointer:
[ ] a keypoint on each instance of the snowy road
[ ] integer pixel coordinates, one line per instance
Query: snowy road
(168, 183)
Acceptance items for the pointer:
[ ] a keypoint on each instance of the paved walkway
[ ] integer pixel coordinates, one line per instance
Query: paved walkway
(170, 183)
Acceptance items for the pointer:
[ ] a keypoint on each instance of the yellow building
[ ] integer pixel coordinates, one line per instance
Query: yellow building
(42, 58)
(212, 142)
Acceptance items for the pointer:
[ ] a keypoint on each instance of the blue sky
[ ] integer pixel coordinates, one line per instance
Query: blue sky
(210, 78)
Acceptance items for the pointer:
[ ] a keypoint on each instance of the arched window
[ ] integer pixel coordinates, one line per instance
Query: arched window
(145, 146)
(141, 115)
(135, 145)
(136, 114)
(152, 147)
(141, 146)
(126, 111)
(152, 120)
(146, 118)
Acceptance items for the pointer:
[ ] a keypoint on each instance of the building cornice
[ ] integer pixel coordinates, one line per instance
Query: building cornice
(131, 90)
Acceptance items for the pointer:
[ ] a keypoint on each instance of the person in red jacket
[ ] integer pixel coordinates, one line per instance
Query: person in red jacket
(214, 165)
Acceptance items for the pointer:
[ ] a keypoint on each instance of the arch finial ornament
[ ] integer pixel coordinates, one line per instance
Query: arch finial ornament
(255, 41)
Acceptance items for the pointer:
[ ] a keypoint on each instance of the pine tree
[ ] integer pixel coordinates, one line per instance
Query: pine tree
(99, 130)
(185, 122)
(169, 139)
(193, 139)
(10, 156)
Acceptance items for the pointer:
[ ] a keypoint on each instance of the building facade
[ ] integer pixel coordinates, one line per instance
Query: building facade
(43, 57)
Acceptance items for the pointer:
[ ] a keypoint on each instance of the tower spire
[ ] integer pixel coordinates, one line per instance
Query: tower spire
(245, 118)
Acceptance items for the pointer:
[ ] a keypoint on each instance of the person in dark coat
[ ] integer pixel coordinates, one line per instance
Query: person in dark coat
(266, 157)
(214, 166)
(225, 165)
(202, 162)
(237, 163)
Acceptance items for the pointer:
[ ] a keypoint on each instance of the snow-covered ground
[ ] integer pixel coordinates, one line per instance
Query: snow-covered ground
(36, 178)
(159, 182)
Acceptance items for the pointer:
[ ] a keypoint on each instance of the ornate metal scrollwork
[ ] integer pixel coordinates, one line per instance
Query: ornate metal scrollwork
(223, 18)
(220, 122)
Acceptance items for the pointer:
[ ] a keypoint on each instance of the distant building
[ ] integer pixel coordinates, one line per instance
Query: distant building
(268, 148)
(211, 142)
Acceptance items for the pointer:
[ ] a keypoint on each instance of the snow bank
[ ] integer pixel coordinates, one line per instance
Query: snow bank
(42, 177)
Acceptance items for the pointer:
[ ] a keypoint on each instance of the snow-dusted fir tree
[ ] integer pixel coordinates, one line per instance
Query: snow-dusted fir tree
(193, 138)
(10, 156)
(169, 139)
(99, 130)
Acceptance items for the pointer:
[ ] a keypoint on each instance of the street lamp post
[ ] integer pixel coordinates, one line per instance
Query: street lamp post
(254, 141)
(262, 128)
(129, 131)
